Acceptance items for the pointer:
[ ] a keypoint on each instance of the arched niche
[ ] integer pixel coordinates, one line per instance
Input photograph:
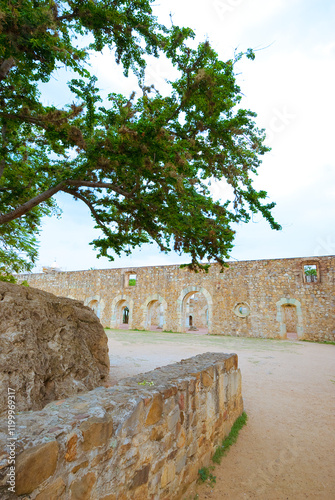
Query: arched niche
(155, 307)
(96, 304)
(281, 316)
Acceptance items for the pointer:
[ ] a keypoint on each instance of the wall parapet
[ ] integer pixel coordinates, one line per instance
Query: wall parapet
(144, 438)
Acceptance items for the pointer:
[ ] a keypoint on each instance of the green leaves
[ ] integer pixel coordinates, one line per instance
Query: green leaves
(140, 163)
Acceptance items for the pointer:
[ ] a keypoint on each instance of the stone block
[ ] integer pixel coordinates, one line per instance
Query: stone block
(103, 457)
(156, 411)
(71, 448)
(81, 488)
(190, 473)
(180, 461)
(158, 466)
(207, 379)
(231, 363)
(141, 477)
(168, 474)
(96, 432)
(171, 391)
(181, 401)
(79, 466)
(157, 433)
(136, 420)
(173, 419)
(54, 490)
(35, 465)
(181, 438)
(131, 457)
(141, 493)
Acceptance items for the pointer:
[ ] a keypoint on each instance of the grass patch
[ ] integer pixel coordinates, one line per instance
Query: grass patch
(205, 476)
(230, 439)
(330, 342)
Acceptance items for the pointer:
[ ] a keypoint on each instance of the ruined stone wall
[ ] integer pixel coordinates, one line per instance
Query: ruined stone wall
(247, 299)
(143, 438)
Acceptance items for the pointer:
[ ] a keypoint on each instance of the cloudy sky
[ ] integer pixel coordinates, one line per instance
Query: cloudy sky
(290, 85)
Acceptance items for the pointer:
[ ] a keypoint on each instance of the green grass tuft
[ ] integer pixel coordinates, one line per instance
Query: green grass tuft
(330, 342)
(206, 476)
(230, 439)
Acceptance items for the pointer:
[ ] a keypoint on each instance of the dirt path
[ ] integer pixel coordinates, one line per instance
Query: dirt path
(287, 449)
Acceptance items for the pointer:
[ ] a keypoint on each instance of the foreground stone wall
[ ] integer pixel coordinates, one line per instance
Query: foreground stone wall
(264, 298)
(143, 439)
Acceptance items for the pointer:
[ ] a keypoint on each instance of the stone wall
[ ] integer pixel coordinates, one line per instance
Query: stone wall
(249, 298)
(144, 438)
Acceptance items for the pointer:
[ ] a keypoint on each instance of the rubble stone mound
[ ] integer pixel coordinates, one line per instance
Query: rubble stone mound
(50, 347)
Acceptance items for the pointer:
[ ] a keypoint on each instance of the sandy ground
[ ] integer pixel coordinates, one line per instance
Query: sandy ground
(287, 449)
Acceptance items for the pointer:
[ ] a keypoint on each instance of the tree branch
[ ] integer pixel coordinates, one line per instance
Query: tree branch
(108, 185)
(26, 207)
(4, 143)
(40, 121)
(88, 203)
(5, 67)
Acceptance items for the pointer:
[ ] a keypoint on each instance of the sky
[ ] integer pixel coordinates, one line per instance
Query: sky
(290, 85)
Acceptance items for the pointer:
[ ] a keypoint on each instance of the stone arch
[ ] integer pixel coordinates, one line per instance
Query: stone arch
(118, 304)
(151, 300)
(281, 316)
(187, 292)
(95, 303)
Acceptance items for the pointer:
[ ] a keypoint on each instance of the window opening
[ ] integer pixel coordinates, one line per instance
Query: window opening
(242, 310)
(311, 273)
(132, 280)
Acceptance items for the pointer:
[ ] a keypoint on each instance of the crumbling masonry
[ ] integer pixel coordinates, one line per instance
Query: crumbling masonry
(263, 298)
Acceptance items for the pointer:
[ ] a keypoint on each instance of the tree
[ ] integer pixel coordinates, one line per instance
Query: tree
(141, 164)
(310, 271)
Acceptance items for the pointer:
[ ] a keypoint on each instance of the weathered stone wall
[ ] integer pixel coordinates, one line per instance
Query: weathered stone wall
(143, 439)
(259, 289)
(50, 347)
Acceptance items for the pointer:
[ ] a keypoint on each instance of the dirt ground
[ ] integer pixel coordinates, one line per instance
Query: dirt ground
(287, 449)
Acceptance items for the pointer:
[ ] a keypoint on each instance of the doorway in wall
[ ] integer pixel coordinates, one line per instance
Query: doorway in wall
(195, 313)
(291, 321)
(122, 315)
(125, 316)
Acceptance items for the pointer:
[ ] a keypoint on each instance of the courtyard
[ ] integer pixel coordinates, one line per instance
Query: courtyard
(286, 450)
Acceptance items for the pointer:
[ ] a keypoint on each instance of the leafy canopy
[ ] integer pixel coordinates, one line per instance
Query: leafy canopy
(141, 164)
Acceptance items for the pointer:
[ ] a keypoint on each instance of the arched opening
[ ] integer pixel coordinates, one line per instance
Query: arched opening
(125, 316)
(154, 310)
(290, 319)
(122, 308)
(95, 306)
(122, 314)
(195, 315)
(155, 315)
